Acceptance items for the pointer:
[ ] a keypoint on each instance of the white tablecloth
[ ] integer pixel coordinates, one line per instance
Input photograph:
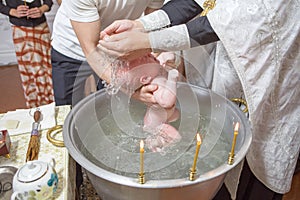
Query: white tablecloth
(65, 165)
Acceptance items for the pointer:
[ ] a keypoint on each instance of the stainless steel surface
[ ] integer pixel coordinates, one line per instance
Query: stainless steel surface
(112, 186)
(6, 178)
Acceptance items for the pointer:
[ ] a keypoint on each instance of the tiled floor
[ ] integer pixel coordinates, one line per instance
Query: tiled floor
(294, 193)
(11, 92)
(11, 98)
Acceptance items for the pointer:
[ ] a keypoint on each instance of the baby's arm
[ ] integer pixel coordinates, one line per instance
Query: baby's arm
(170, 59)
(165, 95)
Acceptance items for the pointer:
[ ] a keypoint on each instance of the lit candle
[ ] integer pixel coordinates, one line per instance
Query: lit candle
(142, 174)
(197, 152)
(235, 133)
(142, 157)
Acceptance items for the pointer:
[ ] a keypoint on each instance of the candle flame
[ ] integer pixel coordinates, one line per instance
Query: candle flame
(142, 145)
(237, 126)
(198, 138)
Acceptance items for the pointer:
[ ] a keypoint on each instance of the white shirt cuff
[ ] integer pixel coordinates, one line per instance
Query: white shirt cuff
(155, 20)
(175, 38)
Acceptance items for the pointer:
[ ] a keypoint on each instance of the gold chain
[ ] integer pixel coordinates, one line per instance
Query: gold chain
(208, 5)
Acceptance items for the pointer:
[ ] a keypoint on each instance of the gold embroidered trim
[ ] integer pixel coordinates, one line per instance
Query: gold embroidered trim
(208, 5)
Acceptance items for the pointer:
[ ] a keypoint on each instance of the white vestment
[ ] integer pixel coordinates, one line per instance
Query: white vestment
(258, 57)
(259, 54)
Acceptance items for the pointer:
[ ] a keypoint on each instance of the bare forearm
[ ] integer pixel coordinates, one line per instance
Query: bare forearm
(100, 63)
(59, 1)
(87, 34)
(44, 8)
(149, 10)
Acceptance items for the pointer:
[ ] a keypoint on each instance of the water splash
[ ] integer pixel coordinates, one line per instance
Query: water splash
(118, 73)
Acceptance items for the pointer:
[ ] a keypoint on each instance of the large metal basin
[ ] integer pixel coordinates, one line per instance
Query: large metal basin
(91, 148)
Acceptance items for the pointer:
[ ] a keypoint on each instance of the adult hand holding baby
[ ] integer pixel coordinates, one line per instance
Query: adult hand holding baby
(125, 39)
(119, 26)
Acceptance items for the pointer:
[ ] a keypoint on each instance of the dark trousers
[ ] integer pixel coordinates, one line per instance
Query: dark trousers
(69, 76)
(250, 188)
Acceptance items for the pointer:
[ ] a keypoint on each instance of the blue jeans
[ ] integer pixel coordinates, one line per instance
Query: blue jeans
(69, 76)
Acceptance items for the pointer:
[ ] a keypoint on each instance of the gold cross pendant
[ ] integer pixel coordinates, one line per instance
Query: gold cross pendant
(208, 5)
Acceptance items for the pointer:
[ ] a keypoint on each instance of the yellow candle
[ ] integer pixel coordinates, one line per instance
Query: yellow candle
(235, 133)
(142, 157)
(197, 152)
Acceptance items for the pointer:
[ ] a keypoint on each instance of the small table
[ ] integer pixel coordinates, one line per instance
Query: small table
(65, 165)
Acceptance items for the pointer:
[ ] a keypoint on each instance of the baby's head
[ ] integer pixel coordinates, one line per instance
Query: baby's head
(139, 72)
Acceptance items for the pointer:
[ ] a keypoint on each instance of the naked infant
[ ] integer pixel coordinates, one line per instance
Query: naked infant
(147, 70)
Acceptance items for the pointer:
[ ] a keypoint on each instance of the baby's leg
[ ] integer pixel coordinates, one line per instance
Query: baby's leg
(154, 117)
(174, 115)
(165, 136)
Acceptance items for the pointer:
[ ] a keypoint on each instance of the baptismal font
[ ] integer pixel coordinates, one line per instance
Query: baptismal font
(104, 133)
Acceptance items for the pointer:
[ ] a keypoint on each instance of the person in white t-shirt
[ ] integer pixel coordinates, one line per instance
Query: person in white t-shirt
(69, 50)
(71, 44)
